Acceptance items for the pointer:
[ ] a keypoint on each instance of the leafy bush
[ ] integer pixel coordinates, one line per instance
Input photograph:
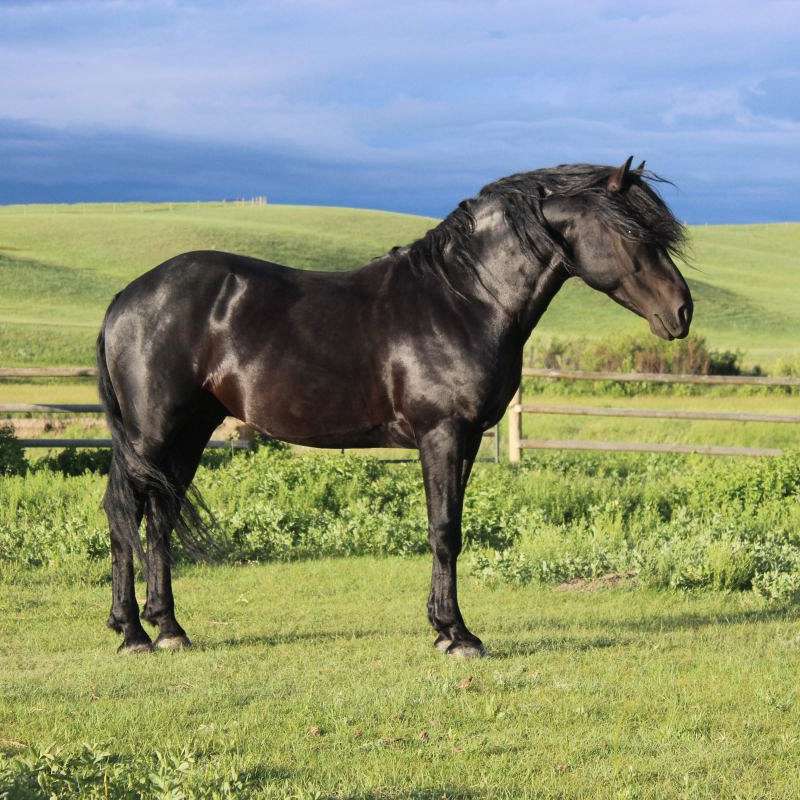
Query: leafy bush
(635, 354)
(504, 566)
(76, 461)
(780, 588)
(787, 368)
(12, 455)
(679, 522)
(92, 773)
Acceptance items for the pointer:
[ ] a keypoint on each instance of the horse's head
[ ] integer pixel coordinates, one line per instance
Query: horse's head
(619, 238)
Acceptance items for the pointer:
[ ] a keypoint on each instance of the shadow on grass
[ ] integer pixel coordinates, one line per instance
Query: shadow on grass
(659, 622)
(677, 622)
(544, 644)
(518, 642)
(270, 640)
(508, 649)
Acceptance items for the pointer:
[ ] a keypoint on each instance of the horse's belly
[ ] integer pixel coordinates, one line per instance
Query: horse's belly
(324, 410)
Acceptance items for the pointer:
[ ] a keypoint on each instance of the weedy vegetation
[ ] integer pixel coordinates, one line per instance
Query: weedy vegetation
(671, 520)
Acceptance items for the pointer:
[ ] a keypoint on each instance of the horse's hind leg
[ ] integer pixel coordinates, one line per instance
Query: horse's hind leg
(180, 461)
(159, 608)
(123, 507)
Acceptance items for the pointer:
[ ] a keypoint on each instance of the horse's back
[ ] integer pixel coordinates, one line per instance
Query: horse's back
(297, 353)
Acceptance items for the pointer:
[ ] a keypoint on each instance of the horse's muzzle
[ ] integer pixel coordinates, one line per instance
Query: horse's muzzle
(672, 324)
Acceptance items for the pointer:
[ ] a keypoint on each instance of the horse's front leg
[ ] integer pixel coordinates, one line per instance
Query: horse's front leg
(443, 452)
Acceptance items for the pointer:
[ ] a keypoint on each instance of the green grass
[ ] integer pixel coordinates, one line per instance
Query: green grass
(318, 679)
(676, 521)
(60, 265)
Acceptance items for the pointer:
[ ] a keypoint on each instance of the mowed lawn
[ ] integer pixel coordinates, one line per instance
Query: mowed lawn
(60, 265)
(318, 679)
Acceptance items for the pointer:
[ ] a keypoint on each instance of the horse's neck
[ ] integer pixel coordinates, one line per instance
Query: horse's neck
(521, 289)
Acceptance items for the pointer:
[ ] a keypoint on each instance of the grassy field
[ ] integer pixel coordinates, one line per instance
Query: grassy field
(305, 681)
(60, 265)
(587, 695)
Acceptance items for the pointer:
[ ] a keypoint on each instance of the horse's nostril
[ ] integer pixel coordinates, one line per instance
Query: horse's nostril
(685, 314)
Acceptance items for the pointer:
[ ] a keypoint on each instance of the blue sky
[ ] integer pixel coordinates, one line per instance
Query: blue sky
(409, 106)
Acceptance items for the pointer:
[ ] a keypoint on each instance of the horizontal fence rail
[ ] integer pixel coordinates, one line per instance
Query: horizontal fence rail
(658, 377)
(214, 444)
(528, 372)
(48, 372)
(516, 442)
(51, 408)
(76, 408)
(647, 447)
(646, 413)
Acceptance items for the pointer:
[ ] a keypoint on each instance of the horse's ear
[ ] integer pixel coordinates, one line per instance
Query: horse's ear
(617, 179)
(640, 168)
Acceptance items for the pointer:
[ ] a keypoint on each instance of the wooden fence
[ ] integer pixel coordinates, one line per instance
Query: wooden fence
(516, 409)
(516, 442)
(75, 408)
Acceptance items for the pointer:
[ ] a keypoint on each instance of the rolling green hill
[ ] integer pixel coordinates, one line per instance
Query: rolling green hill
(60, 266)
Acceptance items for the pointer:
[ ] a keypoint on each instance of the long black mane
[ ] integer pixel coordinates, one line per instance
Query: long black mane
(638, 213)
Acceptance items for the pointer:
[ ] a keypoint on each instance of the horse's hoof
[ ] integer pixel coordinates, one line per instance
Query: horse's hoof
(134, 648)
(442, 643)
(466, 650)
(172, 642)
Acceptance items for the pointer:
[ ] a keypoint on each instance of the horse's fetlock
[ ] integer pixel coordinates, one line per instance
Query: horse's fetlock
(154, 614)
(114, 623)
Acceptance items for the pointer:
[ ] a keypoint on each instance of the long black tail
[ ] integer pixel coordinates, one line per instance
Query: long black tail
(137, 482)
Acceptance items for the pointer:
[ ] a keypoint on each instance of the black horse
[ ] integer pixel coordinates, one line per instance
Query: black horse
(419, 348)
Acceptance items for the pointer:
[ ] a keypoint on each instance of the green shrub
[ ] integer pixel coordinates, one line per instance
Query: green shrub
(504, 566)
(787, 368)
(699, 561)
(779, 588)
(679, 522)
(12, 454)
(93, 773)
(634, 354)
(76, 461)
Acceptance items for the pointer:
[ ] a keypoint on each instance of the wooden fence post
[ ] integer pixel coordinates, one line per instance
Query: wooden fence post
(515, 427)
